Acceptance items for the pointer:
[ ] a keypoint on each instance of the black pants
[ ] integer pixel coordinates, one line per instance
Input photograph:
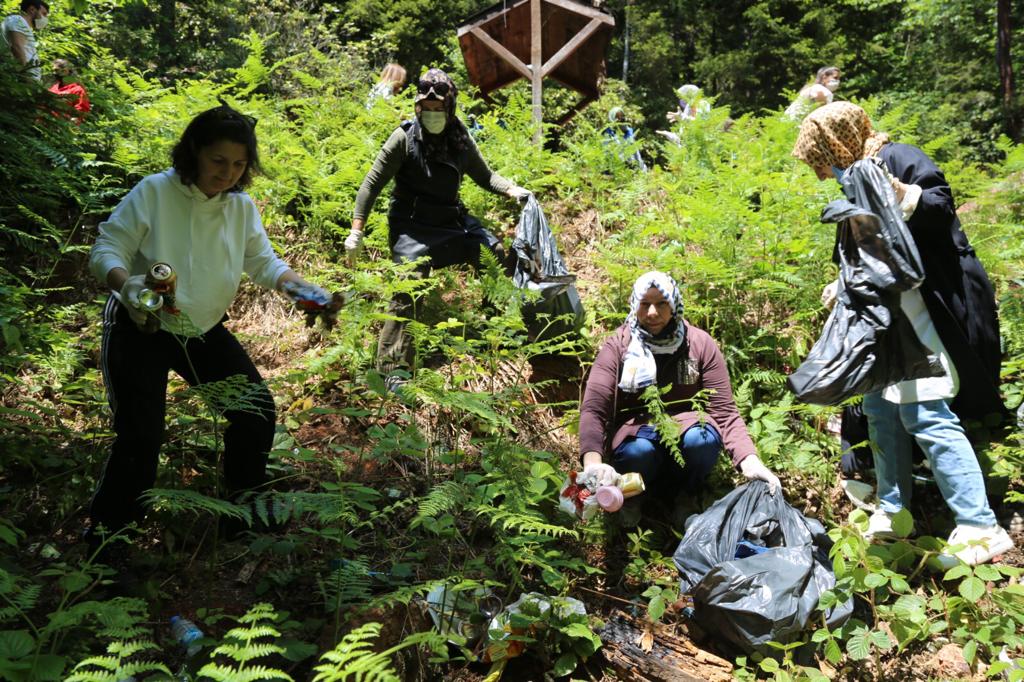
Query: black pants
(135, 367)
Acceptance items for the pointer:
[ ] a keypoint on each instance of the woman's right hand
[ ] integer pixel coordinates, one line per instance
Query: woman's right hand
(604, 474)
(129, 296)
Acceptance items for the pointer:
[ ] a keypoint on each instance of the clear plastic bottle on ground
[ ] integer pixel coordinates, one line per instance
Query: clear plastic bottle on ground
(186, 634)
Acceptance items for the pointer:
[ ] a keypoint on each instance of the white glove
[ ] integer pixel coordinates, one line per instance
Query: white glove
(129, 296)
(753, 468)
(828, 294)
(603, 474)
(519, 193)
(353, 242)
(674, 116)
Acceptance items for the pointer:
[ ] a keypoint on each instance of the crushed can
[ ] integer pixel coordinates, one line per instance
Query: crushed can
(161, 282)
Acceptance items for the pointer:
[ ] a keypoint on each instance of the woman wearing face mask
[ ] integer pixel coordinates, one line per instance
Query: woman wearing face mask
(657, 347)
(815, 94)
(953, 313)
(427, 157)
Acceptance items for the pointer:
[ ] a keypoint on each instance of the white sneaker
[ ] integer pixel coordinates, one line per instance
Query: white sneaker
(880, 526)
(974, 545)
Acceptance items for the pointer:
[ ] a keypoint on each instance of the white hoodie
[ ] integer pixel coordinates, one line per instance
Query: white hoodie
(209, 242)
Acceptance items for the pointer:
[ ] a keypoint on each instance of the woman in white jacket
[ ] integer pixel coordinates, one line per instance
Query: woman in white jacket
(195, 217)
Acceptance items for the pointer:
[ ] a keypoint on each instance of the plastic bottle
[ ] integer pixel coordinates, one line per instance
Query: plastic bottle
(609, 498)
(186, 634)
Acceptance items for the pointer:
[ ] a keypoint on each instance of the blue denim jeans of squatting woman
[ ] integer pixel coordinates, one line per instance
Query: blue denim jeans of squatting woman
(648, 456)
(939, 434)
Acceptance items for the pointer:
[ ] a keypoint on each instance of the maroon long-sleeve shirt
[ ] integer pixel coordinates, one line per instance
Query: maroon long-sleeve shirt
(697, 366)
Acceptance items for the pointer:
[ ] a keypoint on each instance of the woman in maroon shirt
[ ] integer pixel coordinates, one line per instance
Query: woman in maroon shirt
(656, 346)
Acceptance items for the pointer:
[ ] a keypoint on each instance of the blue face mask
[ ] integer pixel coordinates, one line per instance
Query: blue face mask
(838, 172)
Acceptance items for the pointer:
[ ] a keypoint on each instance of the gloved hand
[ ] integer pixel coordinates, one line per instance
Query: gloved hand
(828, 294)
(674, 116)
(604, 474)
(753, 468)
(353, 242)
(129, 296)
(520, 194)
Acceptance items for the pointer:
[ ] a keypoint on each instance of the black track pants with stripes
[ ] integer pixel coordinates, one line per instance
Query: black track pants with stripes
(135, 370)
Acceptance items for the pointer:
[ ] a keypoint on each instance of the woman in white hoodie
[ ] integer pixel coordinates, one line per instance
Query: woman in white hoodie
(197, 218)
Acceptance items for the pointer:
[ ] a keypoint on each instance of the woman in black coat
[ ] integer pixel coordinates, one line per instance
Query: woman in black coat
(953, 313)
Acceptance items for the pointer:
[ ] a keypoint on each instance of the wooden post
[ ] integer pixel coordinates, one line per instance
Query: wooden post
(537, 67)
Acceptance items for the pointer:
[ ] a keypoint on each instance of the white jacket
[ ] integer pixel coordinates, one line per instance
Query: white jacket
(209, 242)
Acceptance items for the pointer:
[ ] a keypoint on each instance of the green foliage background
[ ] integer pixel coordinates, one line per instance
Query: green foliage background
(728, 211)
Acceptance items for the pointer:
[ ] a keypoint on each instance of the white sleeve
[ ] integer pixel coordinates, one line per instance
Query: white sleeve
(120, 235)
(261, 263)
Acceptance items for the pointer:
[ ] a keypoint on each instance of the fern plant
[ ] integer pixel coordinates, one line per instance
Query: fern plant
(246, 644)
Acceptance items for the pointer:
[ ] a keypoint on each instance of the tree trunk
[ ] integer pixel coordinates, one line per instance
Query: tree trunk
(1005, 64)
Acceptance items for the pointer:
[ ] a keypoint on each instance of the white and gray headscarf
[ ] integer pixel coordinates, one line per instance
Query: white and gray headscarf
(638, 367)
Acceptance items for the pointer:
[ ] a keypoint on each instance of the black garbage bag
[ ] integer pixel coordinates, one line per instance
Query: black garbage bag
(867, 342)
(539, 267)
(770, 594)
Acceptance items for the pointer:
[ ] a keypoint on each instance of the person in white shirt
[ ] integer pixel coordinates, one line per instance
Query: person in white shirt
(815, 94)
(195, 217)
(18, 34)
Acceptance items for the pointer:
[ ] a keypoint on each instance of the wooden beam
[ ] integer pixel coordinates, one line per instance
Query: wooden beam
(577, 8)
(503, 52)
(537, 67)
(570, 47)
(480, 19)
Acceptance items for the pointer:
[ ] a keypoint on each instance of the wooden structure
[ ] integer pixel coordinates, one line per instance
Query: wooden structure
(537, 39)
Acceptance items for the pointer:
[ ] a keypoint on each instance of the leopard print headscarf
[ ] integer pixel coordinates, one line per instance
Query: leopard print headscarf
(837, 134)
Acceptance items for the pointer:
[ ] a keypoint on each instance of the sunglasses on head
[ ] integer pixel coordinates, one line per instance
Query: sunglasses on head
(438, 88)
(226, 113)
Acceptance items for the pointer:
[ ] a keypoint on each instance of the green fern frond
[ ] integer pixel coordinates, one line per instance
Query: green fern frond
(525, 522)
(443, 497)
(19, 596)
(225, 674)
(192, 502)
(349, 584)
(353, 659)
(118, 666)
(241, 646)
(235, 393)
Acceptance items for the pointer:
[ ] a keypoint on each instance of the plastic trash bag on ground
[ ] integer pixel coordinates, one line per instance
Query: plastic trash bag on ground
(539, 267)
(867, 342)
(464, 612)
(769, 594)
(523, 617)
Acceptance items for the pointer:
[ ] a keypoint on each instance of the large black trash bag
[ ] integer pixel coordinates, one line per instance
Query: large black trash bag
(867, 342)
(770, 595)
(539, 267)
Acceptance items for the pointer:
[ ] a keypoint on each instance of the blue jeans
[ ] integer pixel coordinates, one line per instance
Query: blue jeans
(646, 455)
(939, 434)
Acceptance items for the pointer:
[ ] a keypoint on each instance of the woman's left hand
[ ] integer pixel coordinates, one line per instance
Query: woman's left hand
(753, 468)
(519, 193)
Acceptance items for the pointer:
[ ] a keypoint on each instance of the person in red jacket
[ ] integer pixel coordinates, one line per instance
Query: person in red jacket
(71, 92)
(658, 347)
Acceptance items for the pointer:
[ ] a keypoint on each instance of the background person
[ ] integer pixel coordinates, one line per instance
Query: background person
(954, 315)
(815, 94)
(18, 33)
(68, 88)
(657, 346)
(390, 83)
(197, 218)
(427, 157)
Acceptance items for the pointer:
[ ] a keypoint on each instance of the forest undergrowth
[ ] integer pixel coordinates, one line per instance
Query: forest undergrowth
(453, 485)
